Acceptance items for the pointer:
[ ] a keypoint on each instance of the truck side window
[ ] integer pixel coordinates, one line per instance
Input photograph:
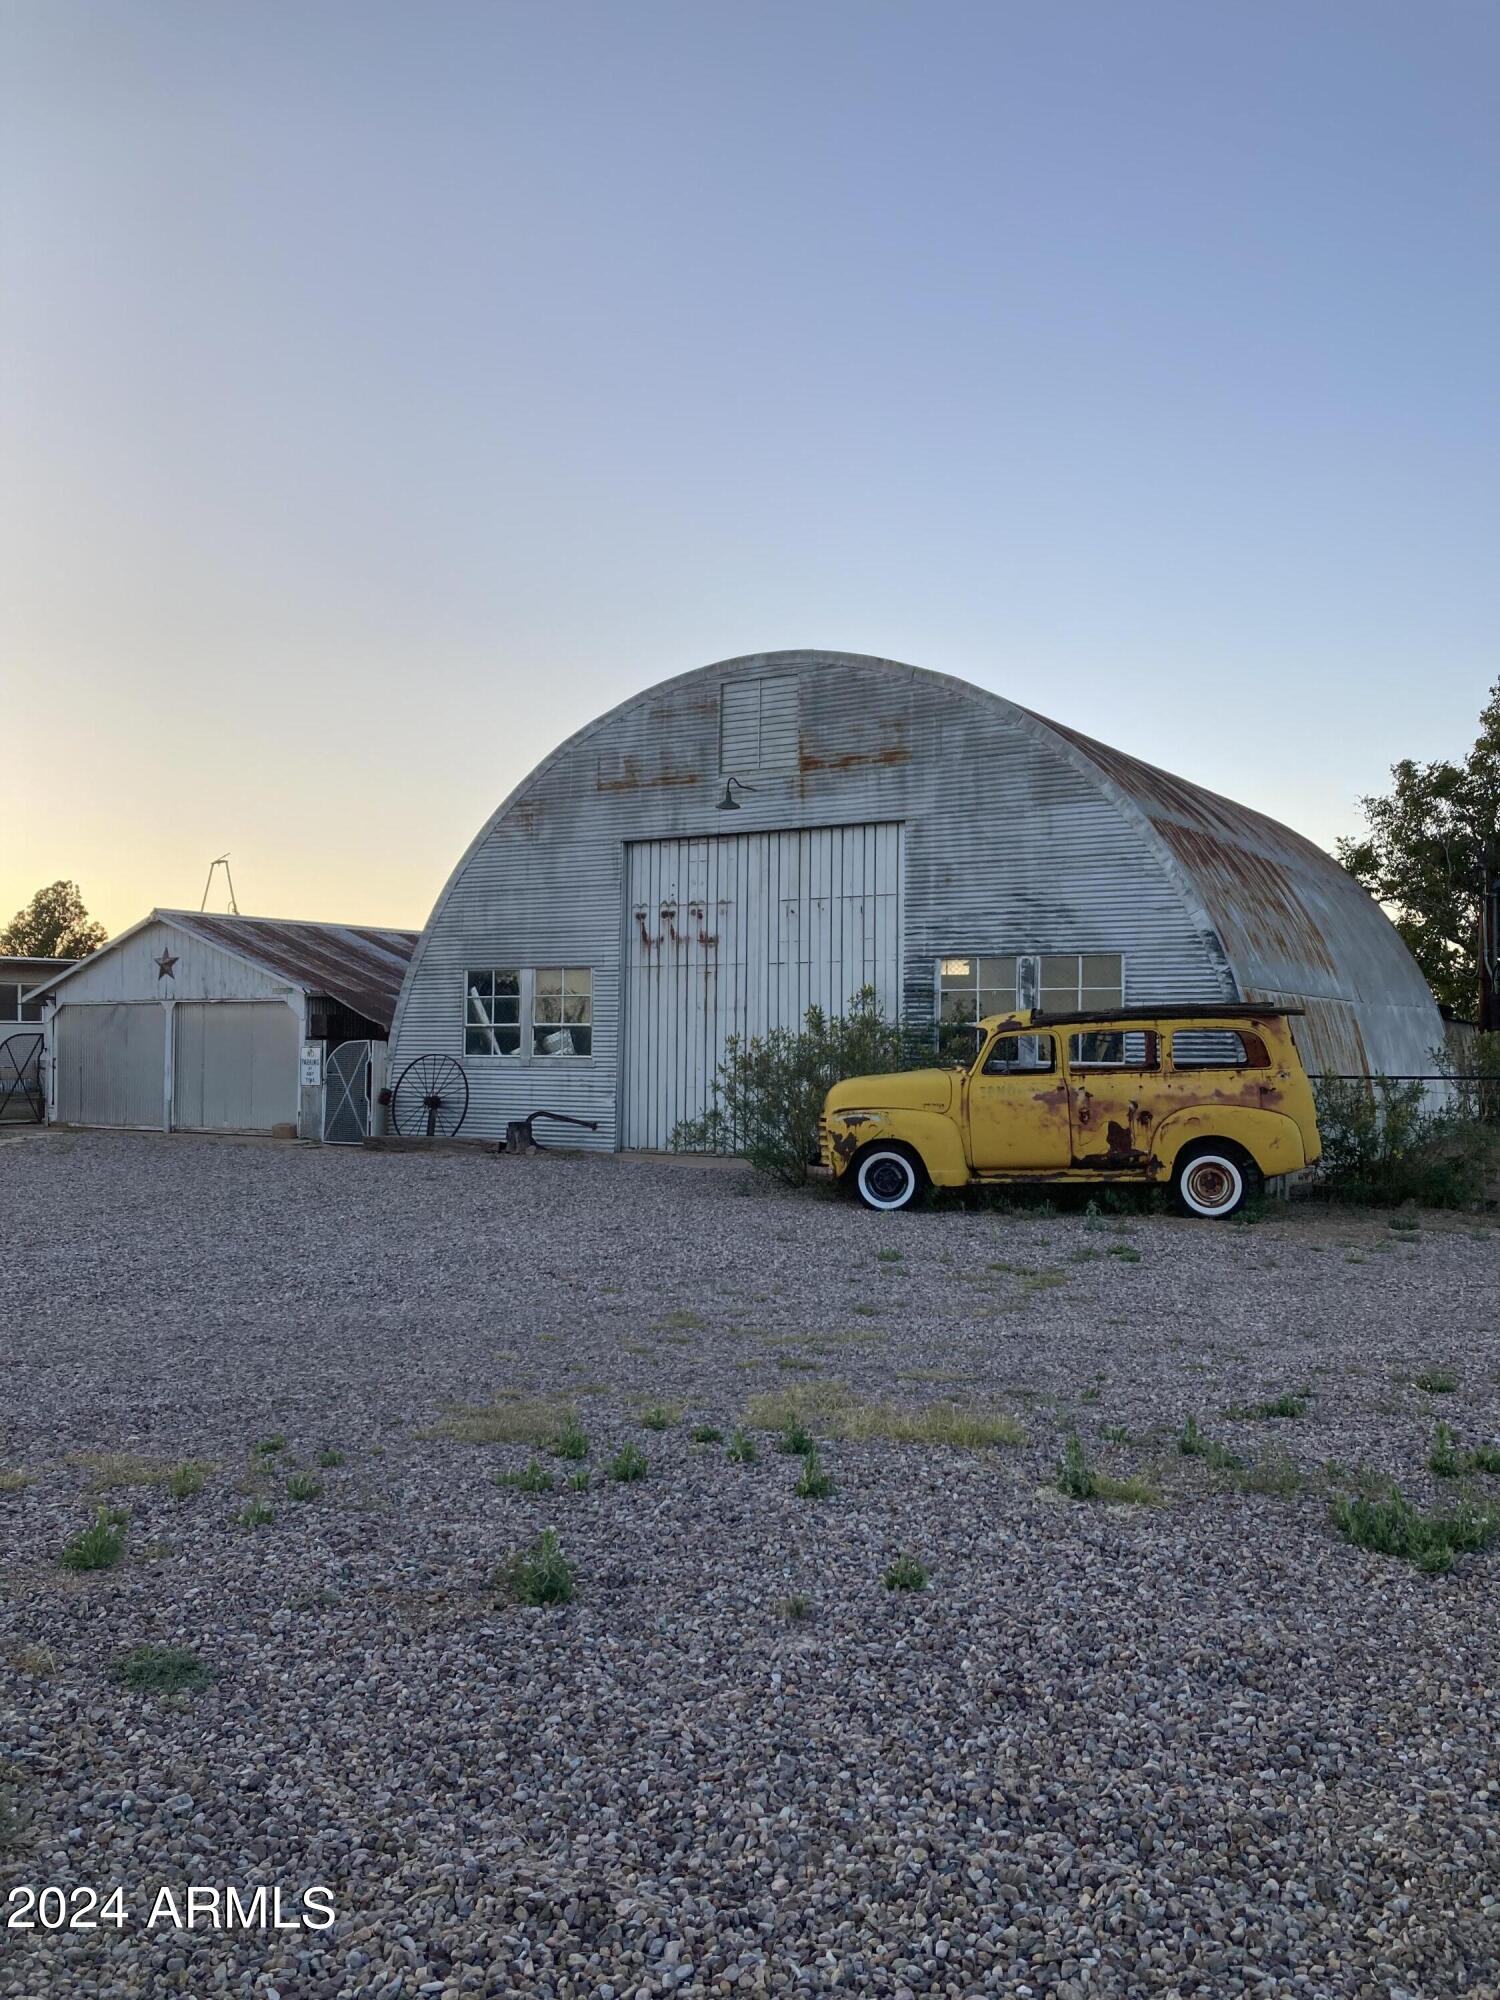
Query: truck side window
(1113, 1048)
(1020, 1055)
(1218, 1048)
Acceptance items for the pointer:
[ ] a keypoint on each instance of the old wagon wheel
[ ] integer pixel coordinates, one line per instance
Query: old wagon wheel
(431, 1098)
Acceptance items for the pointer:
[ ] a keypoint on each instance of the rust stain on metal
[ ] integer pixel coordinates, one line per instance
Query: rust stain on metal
(853, 759)
(632, 778)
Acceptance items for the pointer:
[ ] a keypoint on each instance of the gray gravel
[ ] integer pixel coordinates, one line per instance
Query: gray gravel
(1205, 1747)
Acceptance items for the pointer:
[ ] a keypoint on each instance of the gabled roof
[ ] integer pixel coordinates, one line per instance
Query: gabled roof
(354, 963)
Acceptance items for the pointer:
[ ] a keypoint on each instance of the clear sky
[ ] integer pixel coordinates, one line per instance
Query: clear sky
(388, 389)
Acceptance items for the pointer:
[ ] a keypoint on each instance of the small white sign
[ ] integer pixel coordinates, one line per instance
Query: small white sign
(312, 1065)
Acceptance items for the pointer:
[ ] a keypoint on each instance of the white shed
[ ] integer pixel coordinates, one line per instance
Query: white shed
(195, 1022)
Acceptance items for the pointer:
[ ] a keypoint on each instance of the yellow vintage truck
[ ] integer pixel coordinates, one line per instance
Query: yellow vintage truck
(1211, 1101)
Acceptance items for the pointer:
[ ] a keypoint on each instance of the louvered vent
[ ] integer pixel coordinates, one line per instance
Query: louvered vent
(758, 724)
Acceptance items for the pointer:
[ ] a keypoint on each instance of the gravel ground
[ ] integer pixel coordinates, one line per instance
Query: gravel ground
(1201, 1747)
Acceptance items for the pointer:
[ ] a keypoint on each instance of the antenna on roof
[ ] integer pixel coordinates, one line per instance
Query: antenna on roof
(222, 862)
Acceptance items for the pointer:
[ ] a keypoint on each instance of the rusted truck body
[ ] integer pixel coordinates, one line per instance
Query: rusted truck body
(1212, 1102)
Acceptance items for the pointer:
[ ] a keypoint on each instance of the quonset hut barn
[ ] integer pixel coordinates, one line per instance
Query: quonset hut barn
(732, 846)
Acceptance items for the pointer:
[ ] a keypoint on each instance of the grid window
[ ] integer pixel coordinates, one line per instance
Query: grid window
(492, 1013)
(969, 988)
(562, 1011)
(972, 986)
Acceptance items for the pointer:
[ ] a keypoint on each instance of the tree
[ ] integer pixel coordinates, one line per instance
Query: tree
(1432, 855)
(54, 924)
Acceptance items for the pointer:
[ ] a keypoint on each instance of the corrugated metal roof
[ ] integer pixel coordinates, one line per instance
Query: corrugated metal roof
(1291, 920)
(361, 966)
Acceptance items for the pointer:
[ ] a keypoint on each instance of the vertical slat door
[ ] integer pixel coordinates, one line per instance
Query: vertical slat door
(739, 934)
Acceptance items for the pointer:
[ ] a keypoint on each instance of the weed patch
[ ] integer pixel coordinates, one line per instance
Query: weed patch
(1193, 1442)
(255, 1514)
(797, 1608)
(1390, 1525)
(532, 1478)
(329, 1457)
(98, 1546)
(1079, 1481)
(184, 1480)
(706, 1434)
(741, 1449)
(538, 1575)
(815, 1483)
(1436, 1381)
(628, 1465)
(906, 1573)
(161, 1670)
(660, 1416)
(303, 1486)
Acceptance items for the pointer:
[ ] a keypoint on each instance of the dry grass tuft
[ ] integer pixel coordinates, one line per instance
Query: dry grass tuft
(830, 1406)
(12, 1479)
(121, 1468)
(513, 1421)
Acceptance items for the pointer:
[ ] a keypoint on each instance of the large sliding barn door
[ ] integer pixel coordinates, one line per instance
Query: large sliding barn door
(742, 933)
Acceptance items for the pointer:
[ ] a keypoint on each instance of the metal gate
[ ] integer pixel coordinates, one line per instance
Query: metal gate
(21, 1093)
(346, 1095)
(738, 934)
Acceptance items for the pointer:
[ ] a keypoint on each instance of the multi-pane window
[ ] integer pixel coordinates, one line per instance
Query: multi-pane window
(973, 985)
(562, 1011)
(1020, 1055)
(13, 1007)
(492, 1013)
(1132, 1048)
(518, 1011)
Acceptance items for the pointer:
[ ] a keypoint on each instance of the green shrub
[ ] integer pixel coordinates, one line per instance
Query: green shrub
(184, 1480)
(741, 1448)
(768, 1091)
(707, 1434)
(580, 1481)
(98, 1546)
(329, 1457)
(815, 1483)
(571, 1441)
(255, 1514)
(303, 1486)
(268, 1447)
(906, 1573)
(628, 1464)
(540, 1574)
(1384, 1145)
(658, 1417)
(1391, 1526)
(796, 1441)
(797, 1608)
(161, 1670)
(532, 1478)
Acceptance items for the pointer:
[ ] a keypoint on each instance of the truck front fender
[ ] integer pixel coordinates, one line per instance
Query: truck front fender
(931, 1135)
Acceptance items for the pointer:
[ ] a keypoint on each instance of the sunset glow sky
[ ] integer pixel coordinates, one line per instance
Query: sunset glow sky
(386, 389)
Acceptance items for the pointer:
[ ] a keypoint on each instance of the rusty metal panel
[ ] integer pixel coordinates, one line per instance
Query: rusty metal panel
(359, 965)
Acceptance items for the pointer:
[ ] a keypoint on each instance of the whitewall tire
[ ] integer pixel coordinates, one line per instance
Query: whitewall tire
(1212, 1184)
(887, 1178)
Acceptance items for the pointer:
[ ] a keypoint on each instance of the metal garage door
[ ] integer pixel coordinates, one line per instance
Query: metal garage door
(111, 1063)
(236, 1066)
(737, 935)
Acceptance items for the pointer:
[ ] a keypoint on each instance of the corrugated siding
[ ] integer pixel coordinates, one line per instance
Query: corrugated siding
(234, 1066)
(736, 935)
(111, 1064)
(1010, 843)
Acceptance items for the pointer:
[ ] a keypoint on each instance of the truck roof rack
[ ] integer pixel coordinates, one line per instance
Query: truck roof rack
(1234, 1010)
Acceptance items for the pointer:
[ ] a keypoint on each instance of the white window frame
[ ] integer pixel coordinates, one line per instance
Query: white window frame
(526, 1053)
